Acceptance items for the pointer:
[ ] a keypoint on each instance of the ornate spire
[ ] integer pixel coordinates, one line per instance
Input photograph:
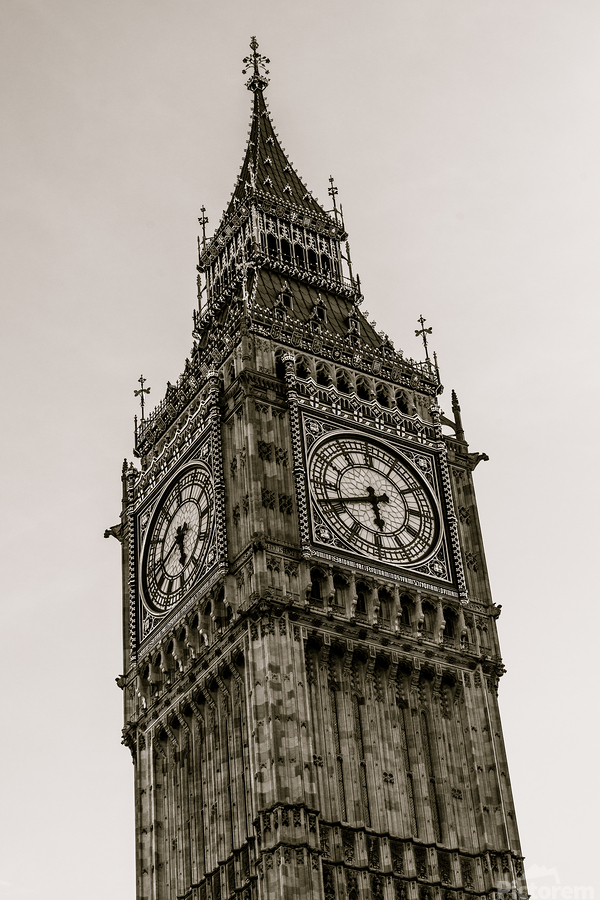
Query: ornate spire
(266, 170)
(256, 61)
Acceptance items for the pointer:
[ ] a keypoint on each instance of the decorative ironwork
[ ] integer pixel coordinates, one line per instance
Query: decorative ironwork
(332, 191)
(423, 332)
(256, 61)
(141, 393)
(203, 222)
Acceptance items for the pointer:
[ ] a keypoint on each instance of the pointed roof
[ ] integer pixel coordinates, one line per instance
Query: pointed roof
(266, 167)
(267, 177)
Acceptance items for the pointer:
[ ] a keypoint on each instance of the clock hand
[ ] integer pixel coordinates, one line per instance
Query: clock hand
(354, 499)
(179, 539)
(375, 501)
(175, 544)
(372, 498)
(178, 542)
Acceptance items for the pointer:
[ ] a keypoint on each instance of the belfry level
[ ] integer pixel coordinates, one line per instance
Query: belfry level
(311, 661)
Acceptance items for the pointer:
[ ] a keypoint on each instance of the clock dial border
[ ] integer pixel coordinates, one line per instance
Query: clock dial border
(396, 522)
(424, 458)
(166, 511)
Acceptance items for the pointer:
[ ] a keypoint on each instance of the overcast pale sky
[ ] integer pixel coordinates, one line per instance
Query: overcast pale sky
(464, 139)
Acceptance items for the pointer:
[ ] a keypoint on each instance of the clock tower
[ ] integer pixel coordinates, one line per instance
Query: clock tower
(311, 661)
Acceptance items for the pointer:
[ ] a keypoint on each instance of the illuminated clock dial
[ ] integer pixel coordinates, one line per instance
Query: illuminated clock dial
(372, 499)
(178, 538)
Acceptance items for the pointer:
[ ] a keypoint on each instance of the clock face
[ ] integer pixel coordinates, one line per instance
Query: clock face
(178, 538)
(368, 495)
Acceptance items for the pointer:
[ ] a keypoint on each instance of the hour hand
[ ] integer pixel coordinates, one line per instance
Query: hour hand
(374, 499)
(179, 540)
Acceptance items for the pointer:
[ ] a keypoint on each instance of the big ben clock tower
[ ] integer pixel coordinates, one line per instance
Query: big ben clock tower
(311, 661)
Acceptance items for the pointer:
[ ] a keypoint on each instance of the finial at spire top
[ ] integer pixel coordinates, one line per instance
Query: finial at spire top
(257, 61)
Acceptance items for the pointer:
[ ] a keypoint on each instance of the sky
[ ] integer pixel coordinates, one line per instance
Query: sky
(464, 139)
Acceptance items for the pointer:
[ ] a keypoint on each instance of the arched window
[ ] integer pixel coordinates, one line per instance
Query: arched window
(286, 251)
(386, 602)
(299, 256)
(383, 396)
(361, 599)
(312, 261)
(302, 368)
(343, 382)
(340, 587)
(484, 638)
(469, 630)
(402, 402)
(317, 586)
(429, 618)
(450, 618)
(408, 608)
(272, 245)
(363, 389)
(323, 376)
(231, 371)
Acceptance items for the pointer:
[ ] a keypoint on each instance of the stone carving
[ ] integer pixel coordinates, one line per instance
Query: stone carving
(268, 498)
(421, 862)
(445, 868)
(463, 513)
(328, 883)
(471, 561)
(377, 887)
(285, 504)
(399, 889)
(348, 846)
(352, 884)
(281, 457)
(373, 852)
(265, 451)
(466, 871)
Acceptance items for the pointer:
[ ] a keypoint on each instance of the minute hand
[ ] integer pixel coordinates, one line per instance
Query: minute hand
(370, 498)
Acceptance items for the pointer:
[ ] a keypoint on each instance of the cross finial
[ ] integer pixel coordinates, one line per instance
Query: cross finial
(256, 61)
(203, 222)
(141, 393)
(423, 332)
(332, 191)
